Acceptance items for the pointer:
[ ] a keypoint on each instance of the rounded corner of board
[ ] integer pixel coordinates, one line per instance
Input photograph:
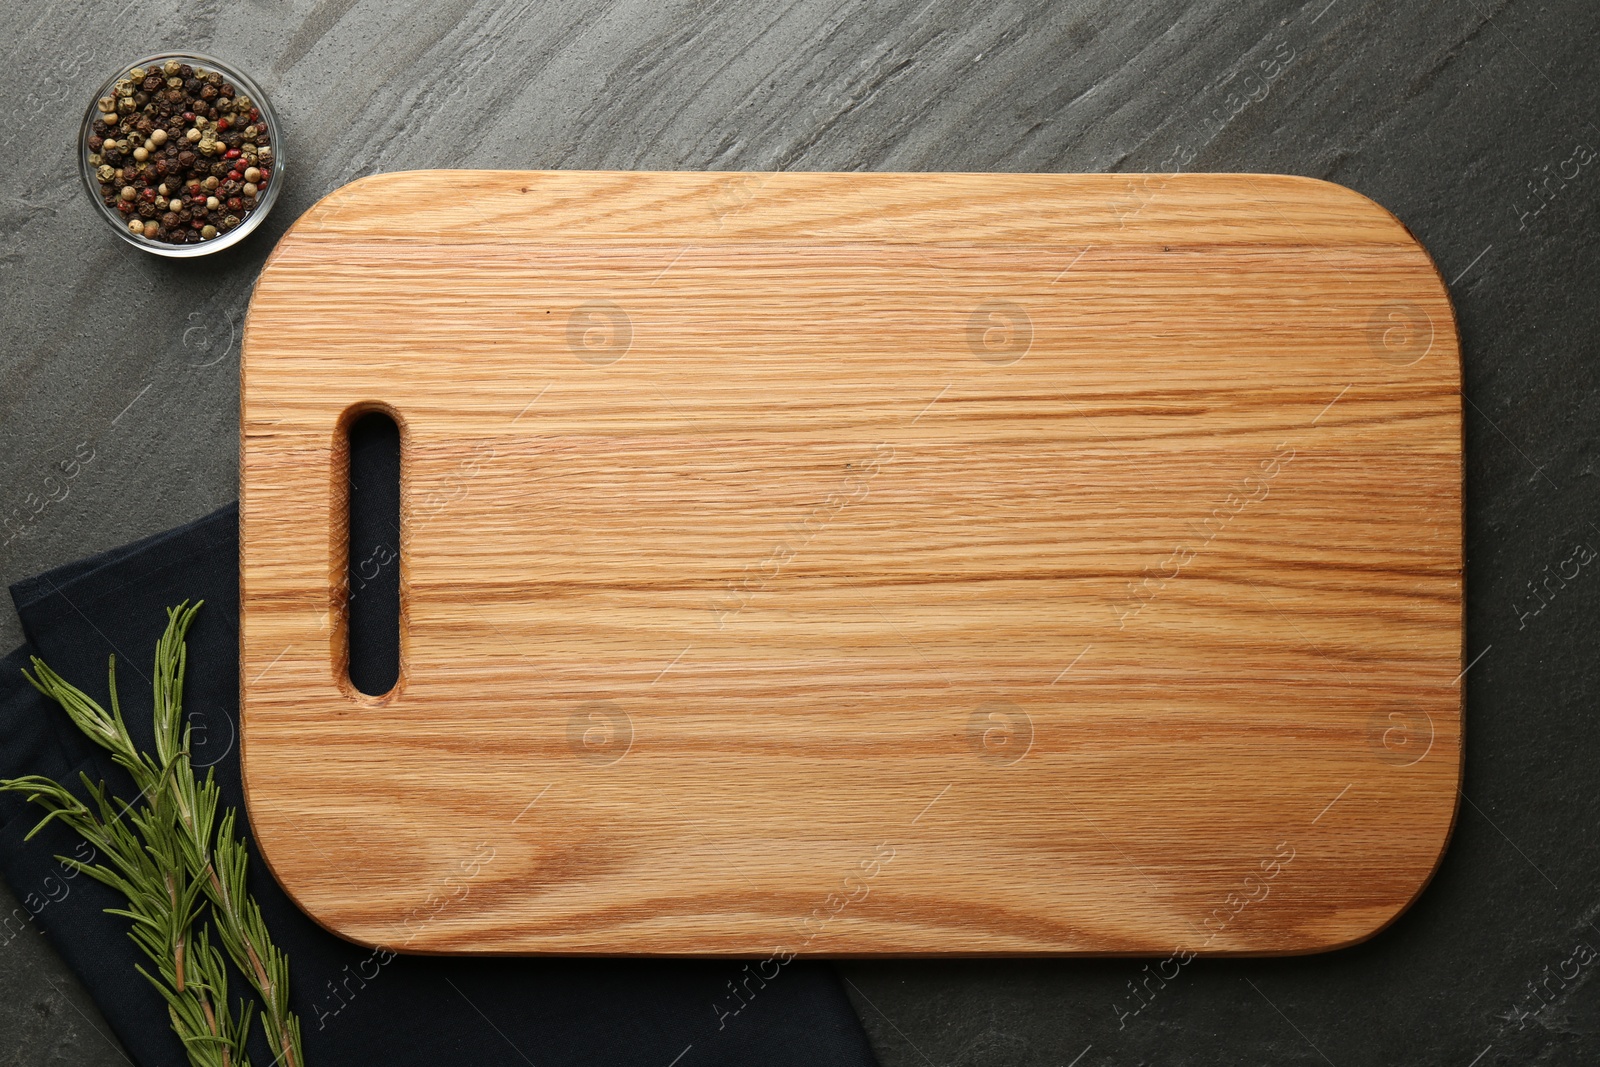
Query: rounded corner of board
(309, 904)
(1374, 922)
(330, 207)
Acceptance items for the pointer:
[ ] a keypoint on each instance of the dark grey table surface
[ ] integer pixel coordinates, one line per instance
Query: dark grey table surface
(1472, 120)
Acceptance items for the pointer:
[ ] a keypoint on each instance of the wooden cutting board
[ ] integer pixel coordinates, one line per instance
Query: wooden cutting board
(859, 563)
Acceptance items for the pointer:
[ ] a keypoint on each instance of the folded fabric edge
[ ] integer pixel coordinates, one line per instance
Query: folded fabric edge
(28, 591)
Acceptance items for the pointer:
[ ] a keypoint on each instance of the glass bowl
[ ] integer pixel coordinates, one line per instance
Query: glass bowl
(247, 224)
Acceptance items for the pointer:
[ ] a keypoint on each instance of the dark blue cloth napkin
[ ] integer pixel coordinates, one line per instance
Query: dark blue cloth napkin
(355, 1005)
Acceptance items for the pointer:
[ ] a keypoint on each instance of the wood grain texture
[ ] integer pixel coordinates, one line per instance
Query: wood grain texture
(847, 564)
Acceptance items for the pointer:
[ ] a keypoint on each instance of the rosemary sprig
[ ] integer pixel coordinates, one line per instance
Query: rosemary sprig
(186, 853)
(163, 905)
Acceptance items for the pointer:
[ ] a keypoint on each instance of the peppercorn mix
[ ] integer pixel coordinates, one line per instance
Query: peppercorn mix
(180, 153)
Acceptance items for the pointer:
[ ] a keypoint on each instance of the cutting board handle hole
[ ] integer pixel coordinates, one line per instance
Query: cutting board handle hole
(372, 585)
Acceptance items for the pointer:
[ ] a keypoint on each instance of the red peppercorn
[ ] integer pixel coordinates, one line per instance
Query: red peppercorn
(235, 175)
(188, 116)
(124, 206)
(149, 194)
(235, 204)
(222, 124)
(255, 113)
(233, 153)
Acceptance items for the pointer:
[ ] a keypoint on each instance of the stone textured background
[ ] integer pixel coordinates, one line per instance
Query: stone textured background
(1467, 118)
